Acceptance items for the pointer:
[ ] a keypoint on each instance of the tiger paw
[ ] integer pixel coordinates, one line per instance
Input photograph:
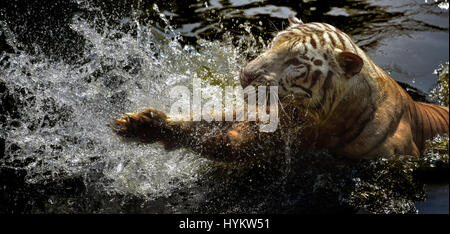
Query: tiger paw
(148, 123)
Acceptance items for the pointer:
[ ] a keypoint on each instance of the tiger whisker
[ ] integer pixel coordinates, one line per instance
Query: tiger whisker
(282, 107)
(277, 30)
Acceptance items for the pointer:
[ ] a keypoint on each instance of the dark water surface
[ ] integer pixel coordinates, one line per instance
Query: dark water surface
(437, 200)
(66, 160)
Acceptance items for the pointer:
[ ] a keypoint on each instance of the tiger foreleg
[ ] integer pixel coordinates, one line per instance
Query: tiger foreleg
(221, 140)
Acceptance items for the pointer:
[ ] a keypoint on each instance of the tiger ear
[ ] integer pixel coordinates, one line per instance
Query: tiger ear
(350, 63)
(294, 20)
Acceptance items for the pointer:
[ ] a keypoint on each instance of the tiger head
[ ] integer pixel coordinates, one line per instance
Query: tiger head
(310, 63)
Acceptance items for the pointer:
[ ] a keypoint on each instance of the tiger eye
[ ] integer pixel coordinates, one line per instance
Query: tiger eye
(293, 61)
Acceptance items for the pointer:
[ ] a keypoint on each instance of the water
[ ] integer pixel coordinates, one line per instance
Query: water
(437, 200)
(65, 76)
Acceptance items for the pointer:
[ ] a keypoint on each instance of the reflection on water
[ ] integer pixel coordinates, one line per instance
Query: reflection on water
(68, 68)
(436, 200)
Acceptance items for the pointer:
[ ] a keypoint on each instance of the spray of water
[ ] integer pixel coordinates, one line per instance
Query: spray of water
(66, 110)
(59, 128)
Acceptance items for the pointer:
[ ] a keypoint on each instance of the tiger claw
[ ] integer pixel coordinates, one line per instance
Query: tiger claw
(152, 113)
(120, 121)
(149, 114)
(132, 116)
(120, 125)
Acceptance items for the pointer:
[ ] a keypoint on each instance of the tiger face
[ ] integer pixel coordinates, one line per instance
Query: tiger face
(311, 63)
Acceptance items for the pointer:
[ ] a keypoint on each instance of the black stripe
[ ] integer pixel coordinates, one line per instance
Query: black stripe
(328, 27)
(311, 29)
(305, 31)
(333, 42)
(283, 87)
(358, 126)
(290, 35)
(318, 25)
(352, 43)
(313, 42)
(355, 47)
(437, 119)
(430, 133)
(438, 110)
(308, 69)
(413, 117)
(392, 126)
(303, 88)
(302, 40)
(433, 123)
(341, 40)
(361, 117)
(301, 75)
(293, 44)
(285, 83)
(302, 56)
(315, 77)
(327, 84)
(333, 98)
(419, 125)
(322, 39)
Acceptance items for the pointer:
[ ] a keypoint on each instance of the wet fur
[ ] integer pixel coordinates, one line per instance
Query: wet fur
(339, 99)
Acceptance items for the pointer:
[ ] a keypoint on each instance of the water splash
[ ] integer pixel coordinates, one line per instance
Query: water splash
(440, 93)
(57, 132)
(63, 128)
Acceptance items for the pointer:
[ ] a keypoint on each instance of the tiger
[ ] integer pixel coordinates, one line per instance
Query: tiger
(328, 86)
